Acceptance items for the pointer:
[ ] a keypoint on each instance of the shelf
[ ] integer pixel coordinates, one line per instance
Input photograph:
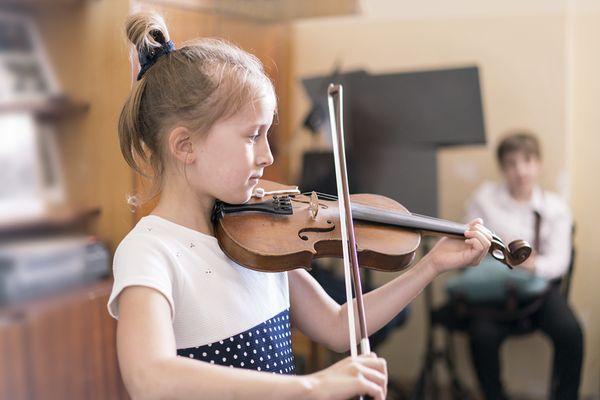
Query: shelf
(57, 108)
(54, 220)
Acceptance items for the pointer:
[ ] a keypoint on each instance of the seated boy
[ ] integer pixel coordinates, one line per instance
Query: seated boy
(517, 208)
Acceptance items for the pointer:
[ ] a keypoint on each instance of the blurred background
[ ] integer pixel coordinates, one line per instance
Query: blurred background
(431, 84)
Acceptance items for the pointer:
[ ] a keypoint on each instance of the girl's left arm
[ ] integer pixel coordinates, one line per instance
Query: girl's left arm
(323, 320)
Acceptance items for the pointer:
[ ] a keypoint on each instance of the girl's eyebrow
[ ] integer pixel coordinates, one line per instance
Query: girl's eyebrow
(259, 125)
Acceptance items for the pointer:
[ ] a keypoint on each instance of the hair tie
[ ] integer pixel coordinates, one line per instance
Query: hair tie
(149, 55)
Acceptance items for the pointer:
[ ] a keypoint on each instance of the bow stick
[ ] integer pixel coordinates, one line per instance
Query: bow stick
(335, 101)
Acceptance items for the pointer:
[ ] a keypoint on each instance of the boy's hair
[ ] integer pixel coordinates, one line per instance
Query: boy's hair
(195, 86)
(521, 141)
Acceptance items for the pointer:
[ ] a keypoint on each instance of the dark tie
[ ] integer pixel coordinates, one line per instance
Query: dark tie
(537, 222)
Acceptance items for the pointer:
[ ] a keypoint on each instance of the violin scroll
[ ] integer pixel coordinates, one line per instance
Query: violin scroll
(516, 253)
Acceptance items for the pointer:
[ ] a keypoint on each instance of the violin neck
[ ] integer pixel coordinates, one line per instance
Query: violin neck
(421, 223)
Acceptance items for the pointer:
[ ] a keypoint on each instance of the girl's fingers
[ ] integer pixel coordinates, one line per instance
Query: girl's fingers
(374, 369)
(374, 376)
(377, 375)
(476, 221)
(488, 234)
(479, 236)
(369, 388)
(372, 361)
(479, 242)
(485, 231)
(476, 226)
(475, 244)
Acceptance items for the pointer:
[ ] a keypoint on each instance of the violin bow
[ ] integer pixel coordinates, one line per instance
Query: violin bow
(351, 267)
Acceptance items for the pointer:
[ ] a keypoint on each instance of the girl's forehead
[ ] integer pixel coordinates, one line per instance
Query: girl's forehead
(258, 112)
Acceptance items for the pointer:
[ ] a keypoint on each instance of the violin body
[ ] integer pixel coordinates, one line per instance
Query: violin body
(271, 242)
(280, 232)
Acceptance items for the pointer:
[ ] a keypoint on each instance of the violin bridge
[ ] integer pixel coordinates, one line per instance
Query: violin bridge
(314, 204)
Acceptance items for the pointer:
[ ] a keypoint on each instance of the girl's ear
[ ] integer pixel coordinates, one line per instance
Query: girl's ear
(181, 146)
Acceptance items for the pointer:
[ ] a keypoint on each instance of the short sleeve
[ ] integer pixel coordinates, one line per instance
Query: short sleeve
(142, 260)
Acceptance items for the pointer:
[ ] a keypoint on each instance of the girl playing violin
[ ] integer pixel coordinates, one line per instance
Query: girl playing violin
(191, 322)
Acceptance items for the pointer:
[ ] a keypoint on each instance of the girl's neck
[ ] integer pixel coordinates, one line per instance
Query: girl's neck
(186, 208)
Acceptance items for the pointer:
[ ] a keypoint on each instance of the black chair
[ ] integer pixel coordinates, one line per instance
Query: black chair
(453, 317)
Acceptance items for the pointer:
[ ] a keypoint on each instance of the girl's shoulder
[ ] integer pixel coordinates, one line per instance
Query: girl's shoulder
(143, 237)
(164, 234)
(155, 241)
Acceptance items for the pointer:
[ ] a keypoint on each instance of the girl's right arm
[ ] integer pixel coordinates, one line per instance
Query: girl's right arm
(152, 370)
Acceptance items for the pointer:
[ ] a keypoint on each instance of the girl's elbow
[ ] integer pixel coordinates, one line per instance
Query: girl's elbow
(338, 346)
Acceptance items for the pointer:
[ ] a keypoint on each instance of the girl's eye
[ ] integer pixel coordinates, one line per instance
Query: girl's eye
(253, 138)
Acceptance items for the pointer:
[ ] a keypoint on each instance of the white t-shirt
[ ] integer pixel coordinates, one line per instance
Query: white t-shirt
(211, 297)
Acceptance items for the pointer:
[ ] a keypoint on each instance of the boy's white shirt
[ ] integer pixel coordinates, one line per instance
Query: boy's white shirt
(211, 297)
(513, 220)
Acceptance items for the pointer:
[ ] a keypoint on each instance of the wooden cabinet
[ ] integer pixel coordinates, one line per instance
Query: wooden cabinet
(62, 347)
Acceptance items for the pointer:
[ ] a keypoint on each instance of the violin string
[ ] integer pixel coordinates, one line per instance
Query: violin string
(442, 222)
(492, 233)
(415, 216)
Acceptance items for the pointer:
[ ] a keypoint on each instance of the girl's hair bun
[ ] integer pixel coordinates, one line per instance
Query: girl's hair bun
(146, 30)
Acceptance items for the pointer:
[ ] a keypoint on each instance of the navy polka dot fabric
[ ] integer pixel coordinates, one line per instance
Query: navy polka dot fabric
(266, 347)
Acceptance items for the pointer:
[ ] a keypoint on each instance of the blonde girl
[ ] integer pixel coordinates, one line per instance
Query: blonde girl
(191, 322)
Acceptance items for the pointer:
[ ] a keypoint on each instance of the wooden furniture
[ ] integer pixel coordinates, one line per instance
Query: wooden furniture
(61, 347)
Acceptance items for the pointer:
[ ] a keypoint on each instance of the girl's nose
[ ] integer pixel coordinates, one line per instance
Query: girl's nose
(265, 157)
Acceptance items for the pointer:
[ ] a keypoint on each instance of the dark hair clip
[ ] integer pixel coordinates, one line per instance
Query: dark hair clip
(149, 55)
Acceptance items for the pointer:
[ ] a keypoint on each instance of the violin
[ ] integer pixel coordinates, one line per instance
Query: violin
(281, 229)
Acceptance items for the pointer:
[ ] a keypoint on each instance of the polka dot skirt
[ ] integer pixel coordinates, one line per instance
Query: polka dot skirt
(266, 347)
